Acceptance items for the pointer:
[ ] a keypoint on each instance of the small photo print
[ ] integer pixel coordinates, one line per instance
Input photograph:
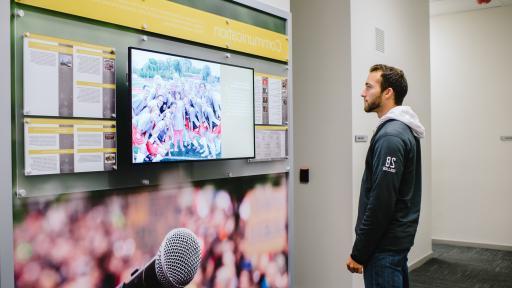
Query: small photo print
(110, 136)
(108, 65)
(66, 60)
(110, 158)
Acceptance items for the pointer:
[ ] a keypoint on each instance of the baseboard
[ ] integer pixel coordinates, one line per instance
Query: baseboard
(472, 244)
(420, 261)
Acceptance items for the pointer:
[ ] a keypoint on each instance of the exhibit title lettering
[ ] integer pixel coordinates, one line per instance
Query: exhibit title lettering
(171, 19)
(243, 38)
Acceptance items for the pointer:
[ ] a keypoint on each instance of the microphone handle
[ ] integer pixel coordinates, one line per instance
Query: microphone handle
(143, 278)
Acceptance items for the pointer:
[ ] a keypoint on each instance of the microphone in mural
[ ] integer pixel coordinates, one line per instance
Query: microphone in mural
(174, 265)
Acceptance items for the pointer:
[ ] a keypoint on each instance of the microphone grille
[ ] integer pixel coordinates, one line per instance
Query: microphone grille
(178, 258)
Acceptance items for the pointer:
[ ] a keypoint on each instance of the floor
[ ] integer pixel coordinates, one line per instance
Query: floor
(464, 267)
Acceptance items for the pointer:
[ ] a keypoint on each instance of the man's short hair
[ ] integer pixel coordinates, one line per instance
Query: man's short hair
(393, 78)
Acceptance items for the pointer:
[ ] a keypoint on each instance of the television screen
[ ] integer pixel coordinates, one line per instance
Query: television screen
(186, 109)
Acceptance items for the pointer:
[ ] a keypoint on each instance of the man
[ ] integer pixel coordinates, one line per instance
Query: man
(390, 197)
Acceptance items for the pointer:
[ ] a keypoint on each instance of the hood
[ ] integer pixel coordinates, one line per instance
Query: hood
(405, 115)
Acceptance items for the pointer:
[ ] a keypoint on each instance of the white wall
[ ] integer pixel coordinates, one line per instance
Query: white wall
(322, 141)
(406, 28)
(323, 207)
(471, 101)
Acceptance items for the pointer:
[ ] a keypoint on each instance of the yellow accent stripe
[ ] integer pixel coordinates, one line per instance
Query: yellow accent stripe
(50, 130)
(66, 41)
(270, 76)
(98, 85)
(48, 47)
(96, 129)
(97, 150)
(92, 53)
(69, 121)
(273, 128)
(50, 151)
(167, 18)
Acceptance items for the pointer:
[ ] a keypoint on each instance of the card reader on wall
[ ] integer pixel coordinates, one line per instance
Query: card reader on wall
(304, 175)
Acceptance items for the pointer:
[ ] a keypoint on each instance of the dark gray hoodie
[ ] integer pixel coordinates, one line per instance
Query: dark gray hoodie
(390, 197)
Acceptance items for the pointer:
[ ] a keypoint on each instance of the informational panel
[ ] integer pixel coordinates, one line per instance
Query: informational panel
(67, 78)
(271, 143)
(41, 22)
(54, 146)
(271, 99)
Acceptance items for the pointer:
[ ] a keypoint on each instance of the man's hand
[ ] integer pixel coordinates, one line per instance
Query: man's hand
(353, 266)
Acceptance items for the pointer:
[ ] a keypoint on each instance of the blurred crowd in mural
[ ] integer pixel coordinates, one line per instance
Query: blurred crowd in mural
(97, 239)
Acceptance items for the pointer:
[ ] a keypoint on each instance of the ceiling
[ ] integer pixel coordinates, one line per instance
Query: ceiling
(438, 7)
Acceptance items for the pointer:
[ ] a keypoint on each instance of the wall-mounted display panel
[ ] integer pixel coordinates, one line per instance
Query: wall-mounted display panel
(271, 99)
(253, 219)
(67, 78)
(41, 22)
(55, 146)
(186, 109)
(271, 143)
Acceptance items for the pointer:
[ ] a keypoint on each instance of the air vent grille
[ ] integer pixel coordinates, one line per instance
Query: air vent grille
(379, 40)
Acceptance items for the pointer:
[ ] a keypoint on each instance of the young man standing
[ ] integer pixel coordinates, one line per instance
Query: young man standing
(390, 197)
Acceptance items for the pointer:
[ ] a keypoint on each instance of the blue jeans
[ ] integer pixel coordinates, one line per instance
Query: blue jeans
(387, 270)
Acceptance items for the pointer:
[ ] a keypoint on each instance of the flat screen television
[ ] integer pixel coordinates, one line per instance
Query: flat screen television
(187, 109)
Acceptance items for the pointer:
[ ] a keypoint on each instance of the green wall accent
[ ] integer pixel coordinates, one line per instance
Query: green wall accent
(237, 11)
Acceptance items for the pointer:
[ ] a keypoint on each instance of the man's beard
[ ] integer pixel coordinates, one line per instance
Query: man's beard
(374, 105)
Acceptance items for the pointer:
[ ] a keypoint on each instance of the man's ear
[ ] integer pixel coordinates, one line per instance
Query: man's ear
(389, 93)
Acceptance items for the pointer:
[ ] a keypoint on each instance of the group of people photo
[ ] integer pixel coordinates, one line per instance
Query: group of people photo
(176, 110)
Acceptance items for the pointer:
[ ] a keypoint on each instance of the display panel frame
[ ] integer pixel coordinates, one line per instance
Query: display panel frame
(192, 160)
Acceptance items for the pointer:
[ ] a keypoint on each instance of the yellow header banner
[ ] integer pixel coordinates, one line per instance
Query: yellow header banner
(176, 20)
